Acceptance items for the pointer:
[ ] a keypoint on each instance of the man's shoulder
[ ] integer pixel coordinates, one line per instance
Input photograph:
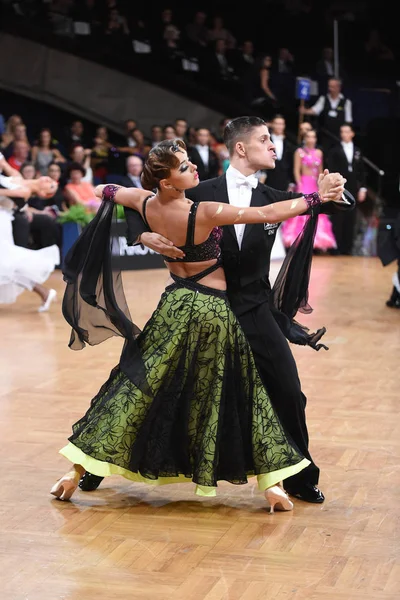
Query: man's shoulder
(202, 191)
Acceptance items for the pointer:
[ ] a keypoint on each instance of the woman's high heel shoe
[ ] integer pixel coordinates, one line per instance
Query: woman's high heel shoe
(277, 497)
(66, 486)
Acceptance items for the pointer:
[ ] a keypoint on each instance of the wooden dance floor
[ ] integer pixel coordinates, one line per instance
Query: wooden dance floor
(132, 542)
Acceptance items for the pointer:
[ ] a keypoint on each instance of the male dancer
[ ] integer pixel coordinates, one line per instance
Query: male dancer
(246, 251)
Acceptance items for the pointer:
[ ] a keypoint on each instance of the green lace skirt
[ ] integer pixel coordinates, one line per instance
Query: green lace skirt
(208, 417)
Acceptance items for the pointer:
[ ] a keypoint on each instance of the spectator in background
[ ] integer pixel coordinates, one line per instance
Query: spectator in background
(285, 62)
(380, 58)
(28, 171)
(19, 156)
(19, 136)
(8, 135)
(82, 156)
(181, 128)
(75, 136)
(134, 168)
(263, 96)
(203, 157)
(156, 134)
(54, 171)
(244, 68)
(171, 49)
(333, 110)
(219, 32)
(142, 148)
(218, 66)
(43, 152)
(40, 225)
(325, 67)
(281, 178)
(197, 31)
(117, 24)
(100, 150)
(169, 132)
(78, 191)
(346, 158)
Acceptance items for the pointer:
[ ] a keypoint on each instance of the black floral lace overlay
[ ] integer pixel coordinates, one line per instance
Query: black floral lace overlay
(207, 415)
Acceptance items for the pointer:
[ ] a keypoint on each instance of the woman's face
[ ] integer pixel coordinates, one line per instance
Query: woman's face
(310, 138)
(47, 187)
(45, 138)
(28, 172)
(102, 133)
(54, 172)
(138, 136)
(267, 62)
(185, 176)
(76, 176)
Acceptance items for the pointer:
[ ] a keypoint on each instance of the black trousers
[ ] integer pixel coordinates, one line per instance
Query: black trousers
(278, 371)
(44, 230)
(343, 225)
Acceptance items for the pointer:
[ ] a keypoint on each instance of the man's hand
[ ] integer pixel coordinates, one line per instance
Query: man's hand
(160, 244)
(331, 186)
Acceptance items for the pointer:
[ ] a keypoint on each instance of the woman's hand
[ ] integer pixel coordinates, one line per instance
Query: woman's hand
(330, 186)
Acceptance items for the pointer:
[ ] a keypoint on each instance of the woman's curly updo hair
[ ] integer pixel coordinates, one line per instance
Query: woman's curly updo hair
(161, 159)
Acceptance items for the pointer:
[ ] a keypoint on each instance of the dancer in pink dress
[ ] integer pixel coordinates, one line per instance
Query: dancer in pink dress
(308, 165)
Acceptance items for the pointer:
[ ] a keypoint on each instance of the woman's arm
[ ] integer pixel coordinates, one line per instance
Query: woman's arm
(71, 196)
(212, 213)
(321, 166)
(130, 197)
(58, 156)
(34, 154)
(297, 167)
(264, 79)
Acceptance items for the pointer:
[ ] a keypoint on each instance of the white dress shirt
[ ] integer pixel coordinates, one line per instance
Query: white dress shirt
(278, 143)
(320, 104)
(239, 195)
(204, 152)
(348, 148)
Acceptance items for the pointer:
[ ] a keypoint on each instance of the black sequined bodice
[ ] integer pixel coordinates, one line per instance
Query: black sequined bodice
(207, 250)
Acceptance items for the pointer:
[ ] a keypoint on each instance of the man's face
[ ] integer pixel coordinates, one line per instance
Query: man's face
(203, 137)
(134, 166)
(181, 128)
(334, 87)
(278, 126)
(21, 151)
(77, 128)
(259, 149)
(346, 134)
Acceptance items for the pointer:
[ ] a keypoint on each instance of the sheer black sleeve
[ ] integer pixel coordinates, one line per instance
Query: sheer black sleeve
(290, 291)
(135, 225)
(94, 301)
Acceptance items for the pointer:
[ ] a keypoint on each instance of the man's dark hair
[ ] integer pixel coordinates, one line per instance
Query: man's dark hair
(239, 128)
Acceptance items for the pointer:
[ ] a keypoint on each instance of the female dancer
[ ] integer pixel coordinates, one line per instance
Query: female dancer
(308, 162)
(22, 269)
(186, 401)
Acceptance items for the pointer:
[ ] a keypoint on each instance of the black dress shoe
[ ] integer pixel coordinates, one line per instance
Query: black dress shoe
(308, 493)
(394, 300)
(90, 482)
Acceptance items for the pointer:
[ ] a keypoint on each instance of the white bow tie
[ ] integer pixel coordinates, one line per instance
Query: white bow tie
(250, 181)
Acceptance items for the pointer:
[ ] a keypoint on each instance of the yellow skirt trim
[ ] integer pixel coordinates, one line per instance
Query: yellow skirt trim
(105, 469)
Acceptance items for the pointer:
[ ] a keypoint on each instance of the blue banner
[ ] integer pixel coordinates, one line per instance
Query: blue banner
(303, 88)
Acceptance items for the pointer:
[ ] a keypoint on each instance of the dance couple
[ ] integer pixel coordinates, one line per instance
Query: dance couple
(20, 268)
(209, 390)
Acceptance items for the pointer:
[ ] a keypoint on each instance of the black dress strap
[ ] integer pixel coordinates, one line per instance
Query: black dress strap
(197, 276)
(144, 211)
(191, 224)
